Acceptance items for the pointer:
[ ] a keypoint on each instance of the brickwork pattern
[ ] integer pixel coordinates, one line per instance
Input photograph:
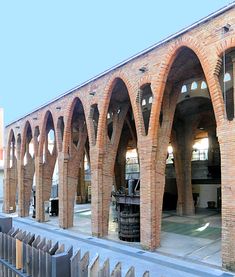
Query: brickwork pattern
(208, 42)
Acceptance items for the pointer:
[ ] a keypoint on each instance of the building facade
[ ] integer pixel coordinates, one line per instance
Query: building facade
(172, 93)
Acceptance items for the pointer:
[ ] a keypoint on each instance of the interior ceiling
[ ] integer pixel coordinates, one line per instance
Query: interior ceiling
(193, 107)
(78, 112)
(200, 134)
(78, 109)
(119, 93)
(186, 66)
(29, 133)
(50, 124)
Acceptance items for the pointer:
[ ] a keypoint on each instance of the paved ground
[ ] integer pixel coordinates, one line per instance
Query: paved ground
(195, 237)
(195, 240)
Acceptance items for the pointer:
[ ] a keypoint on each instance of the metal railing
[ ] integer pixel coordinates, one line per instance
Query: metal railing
(6, 269)
(24, 254)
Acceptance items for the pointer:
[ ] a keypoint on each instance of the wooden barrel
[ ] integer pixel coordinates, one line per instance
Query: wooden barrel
(129, 226)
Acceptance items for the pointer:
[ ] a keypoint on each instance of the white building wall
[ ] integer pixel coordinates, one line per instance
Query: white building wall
(207, 192)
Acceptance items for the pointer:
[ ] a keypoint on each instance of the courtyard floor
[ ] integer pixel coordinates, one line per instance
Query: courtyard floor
(196, 237)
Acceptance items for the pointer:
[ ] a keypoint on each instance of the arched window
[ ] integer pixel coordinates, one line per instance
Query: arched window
(227, 77)
(203, 85)
(194, 85)
(184, 89)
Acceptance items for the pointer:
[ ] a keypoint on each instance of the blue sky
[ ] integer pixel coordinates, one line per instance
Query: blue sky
(49, 47)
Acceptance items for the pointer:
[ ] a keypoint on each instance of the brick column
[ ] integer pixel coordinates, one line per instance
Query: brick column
(39, 190)
(182, 141)
(151, 194)
(120, 165)
(183, 170)
(102, 174)
(68, 180)
(81, 182)
(63, 190)
(153, 154)
(187, 164)
(227, 149)
(10, 181)
(101, 187)
(25, 177)
(96, 195)
(44, 173)
(152, 183)
(10, 184)
(179, 173)
(21, 191)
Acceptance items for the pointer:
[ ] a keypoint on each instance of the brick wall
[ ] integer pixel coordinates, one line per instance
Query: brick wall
(208, 41)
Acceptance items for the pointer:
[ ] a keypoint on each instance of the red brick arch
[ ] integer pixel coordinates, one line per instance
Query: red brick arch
(131, 89)
(165, 67)
(11, 134)
(147, 79)
(68, 121)
(225, 45)
(35, 141)
(24, 137)
(59, 137)
(220, 49)
(43, 132)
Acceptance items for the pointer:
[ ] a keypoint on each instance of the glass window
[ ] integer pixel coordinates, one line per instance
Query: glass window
(183, 89)
(170, 156)
(194, 85)
(203, 85)
(227, 77)
(200, 150)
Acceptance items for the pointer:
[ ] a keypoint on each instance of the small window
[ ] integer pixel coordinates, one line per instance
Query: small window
(150, 100)
(108, 115)
(143, 102)
(183, 89)
(194, 85)
(227, 77)
(203, 85)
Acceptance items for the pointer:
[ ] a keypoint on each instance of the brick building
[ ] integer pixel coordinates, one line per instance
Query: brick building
(172, 94)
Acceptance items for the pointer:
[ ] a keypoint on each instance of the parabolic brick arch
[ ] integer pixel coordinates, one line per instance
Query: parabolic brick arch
(138, 104)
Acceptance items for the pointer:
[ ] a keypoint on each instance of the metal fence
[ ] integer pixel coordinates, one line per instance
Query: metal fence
(25, 254)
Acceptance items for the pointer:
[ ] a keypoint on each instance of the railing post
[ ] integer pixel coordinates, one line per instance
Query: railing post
(5, 224)
(61, 264)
